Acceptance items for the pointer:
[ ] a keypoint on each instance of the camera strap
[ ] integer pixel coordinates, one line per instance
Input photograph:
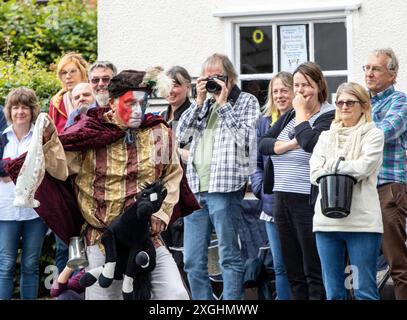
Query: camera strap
(234, 95)
(232, 98)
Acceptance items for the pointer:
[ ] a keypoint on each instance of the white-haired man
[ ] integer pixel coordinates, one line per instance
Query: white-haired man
(100, 73)
(389, 112)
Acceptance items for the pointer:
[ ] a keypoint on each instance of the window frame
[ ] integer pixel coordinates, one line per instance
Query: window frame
(310, 14)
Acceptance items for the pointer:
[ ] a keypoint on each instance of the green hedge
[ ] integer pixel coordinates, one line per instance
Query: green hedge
(48, 30)
(29, 73)
(33, 37)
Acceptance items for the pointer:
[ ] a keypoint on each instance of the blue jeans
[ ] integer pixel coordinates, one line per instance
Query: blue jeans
(363, 249)
(62, 254)
(32, 233)
(221, 211)
(282, 284)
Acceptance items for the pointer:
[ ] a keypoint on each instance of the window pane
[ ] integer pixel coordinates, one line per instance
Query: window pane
(333, 84)
(256, 50)
(330, 45)
(258, 88)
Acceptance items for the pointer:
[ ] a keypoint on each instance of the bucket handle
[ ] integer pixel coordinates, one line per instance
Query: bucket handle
(337, 164)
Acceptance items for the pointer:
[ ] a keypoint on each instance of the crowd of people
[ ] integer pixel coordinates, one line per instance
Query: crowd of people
(206, 150)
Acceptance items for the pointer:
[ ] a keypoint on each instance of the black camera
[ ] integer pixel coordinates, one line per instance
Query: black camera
(211, 85)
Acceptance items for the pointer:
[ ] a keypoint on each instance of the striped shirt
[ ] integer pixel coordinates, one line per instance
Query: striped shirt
(291, 169)
(389, 111)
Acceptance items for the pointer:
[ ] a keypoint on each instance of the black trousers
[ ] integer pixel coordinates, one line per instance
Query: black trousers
(293, 216)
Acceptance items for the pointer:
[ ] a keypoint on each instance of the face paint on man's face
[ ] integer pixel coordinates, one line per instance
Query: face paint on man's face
(129, 108)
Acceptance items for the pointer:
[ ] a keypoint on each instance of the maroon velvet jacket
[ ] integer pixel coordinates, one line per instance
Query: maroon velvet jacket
(59, 207)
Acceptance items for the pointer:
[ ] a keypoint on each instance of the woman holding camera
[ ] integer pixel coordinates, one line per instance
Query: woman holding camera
(354, 137)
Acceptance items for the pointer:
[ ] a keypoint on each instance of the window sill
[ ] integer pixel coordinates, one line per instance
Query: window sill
(287, 9)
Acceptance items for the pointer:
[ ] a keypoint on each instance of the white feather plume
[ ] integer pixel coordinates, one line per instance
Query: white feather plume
(161, 81)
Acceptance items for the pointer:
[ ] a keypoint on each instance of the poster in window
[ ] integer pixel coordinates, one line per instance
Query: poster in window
(293, 47)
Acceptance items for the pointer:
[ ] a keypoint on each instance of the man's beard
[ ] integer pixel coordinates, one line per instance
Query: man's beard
(83, 107)
(102, 99)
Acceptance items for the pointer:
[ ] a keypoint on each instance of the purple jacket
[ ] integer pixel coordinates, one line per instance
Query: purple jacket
(59, 208)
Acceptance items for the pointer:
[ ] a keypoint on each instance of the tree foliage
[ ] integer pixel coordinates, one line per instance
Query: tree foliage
(27, 72)
(47, 30)
(34, 36)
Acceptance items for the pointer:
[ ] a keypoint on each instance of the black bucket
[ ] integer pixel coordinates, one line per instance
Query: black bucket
(336, 193)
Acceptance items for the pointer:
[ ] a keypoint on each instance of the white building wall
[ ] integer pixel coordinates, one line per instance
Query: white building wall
(140, 33)
(136, 34)
(381, 24)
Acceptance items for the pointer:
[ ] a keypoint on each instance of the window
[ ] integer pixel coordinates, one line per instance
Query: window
(267, 38)
(256, 50)
(267, 49)
(330, 45)
(258, 88)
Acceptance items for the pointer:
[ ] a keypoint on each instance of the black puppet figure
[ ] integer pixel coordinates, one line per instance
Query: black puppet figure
(130, 252)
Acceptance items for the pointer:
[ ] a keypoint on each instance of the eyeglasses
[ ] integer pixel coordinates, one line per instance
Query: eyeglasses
(349, 103)
(374, 69)
(96, 80)
(64, 73)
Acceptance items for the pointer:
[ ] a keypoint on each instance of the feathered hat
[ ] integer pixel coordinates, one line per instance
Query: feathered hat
(147, 81)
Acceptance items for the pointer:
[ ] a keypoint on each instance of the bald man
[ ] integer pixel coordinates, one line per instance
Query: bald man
(83, 99)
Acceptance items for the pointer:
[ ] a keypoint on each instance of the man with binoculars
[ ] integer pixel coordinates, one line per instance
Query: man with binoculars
(222, 123)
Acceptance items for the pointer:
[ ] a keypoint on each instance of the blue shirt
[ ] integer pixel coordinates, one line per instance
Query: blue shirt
(71, 118)
(389, 112)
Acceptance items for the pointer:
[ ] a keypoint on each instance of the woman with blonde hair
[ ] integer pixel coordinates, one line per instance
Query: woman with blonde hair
(280, 96)
(71, 70)
(279, 101)
(354, 137)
